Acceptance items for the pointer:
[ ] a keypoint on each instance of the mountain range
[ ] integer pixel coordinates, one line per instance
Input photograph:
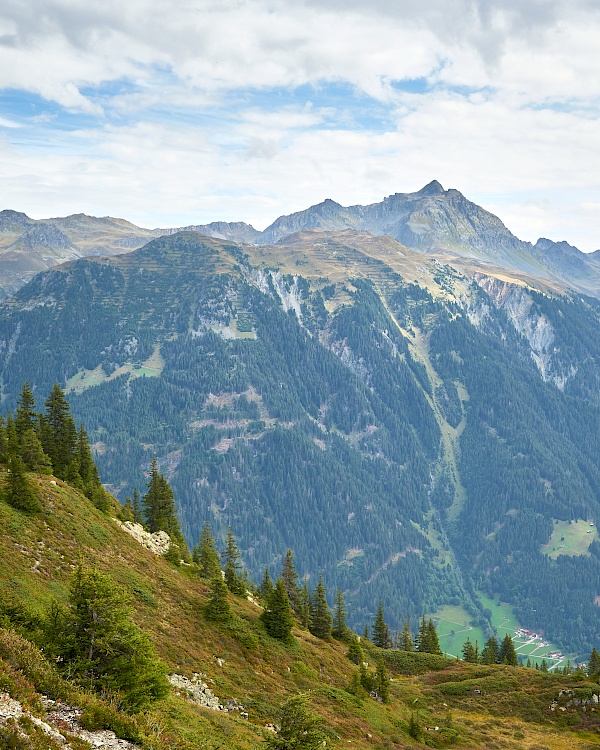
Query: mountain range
(432, 220)
(418, 431)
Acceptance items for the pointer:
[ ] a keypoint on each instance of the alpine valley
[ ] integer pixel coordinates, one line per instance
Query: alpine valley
(404, 394)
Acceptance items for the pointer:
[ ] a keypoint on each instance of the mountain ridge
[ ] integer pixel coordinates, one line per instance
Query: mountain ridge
(432, 220)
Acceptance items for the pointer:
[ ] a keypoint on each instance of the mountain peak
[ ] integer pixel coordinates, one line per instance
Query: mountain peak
(432, 188)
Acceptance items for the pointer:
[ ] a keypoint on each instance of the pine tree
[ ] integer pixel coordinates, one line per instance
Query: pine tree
(96, 642)
(507, 653)
(320, 615)
(138, 515)
(544, 666)
(58, 432)
(33, 454)
(490, 652)
(290, 579)
(340, 630)
(406, 640)
(382, 681)
(300, 728)
(427, 638)
(304, 606)
(25, 416)
(217, 608)
(355, 652)
(19, 491)
(468, 652)
(206, 555)
(160, 514)
(528, 663)
(381, 632)
(593, 665)
(277, 615)
(233, 579)
(126, 512)
(266, 586)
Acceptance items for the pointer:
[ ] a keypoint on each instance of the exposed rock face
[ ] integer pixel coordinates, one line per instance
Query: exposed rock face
(199, 693)
(158, 543)
(517, 303)
(63, 717)
(43, 236)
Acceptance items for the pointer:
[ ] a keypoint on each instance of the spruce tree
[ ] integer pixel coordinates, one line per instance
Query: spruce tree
(320, 615)
(490, 652)
(304, 606)
(206, 555)
(381, 632)
(25, 415)
(382, 682)
(355, 652)
(406, 639)
(434, 644)
(217, 608)
(266, 586)
(544, 666)
(126, 512)
(19, 491)
(95, 642)
(232, 567)
(300, 728)
(160, 513)
(277, 615)
(290, 579)
(593, 665)
(340, 629)
(58, 432)
(468, 652)
(138, 515)
(33, 454)
(507, 653)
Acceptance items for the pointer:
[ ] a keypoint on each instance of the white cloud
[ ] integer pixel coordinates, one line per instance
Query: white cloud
(196, 120)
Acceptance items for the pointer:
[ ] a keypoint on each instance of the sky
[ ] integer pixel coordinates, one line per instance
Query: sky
(175, 113)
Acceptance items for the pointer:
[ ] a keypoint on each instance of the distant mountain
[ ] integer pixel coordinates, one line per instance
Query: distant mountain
(438, 222)
(414, 432)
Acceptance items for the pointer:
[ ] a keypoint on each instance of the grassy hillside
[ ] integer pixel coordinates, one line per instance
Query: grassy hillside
(471, 705)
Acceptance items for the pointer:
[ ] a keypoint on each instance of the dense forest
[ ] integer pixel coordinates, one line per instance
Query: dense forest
(400, 441)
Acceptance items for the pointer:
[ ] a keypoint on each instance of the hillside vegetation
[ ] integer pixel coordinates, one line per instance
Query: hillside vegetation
(439, 701)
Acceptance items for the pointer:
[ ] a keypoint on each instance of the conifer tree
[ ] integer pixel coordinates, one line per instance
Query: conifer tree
(434, 644)
(490, 652)
(160, 513)
(19, 491)
(290, 579)
(206, 555)
(544, 666)
(99, 644)
(58, 432)
(382, 681)
(138, 515)
(3, 441)
(593, 665)
(126, 512)
(427, 638)
(528, 663)
(300, 728)
(25, 415)
(406, 640)
(266, 586)
(217, 608)
(320, 615)
(468, 652)
(381, 632)
(355, 652)
(507, 653)
(304, 606)
(340, 629)
(277, 615)
(33, 454)
(231, 556)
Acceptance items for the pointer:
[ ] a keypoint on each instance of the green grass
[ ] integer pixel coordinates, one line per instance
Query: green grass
(453, 624)
(504, 621)
(570, 539)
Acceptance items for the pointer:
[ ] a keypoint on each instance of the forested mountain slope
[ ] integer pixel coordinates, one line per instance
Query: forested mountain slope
(416, 442)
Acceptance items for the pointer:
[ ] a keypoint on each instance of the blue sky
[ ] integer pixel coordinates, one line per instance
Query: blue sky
(182, 113)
